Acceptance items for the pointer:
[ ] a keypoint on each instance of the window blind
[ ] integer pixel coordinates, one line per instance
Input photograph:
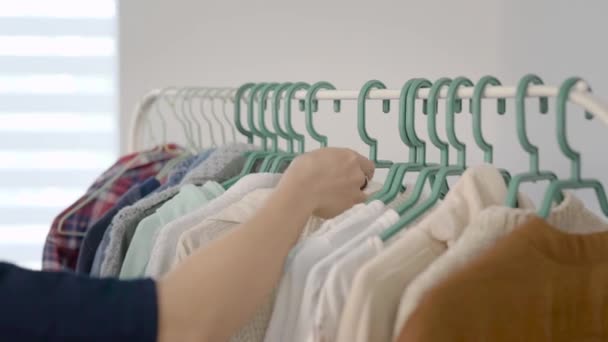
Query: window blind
(58, 124)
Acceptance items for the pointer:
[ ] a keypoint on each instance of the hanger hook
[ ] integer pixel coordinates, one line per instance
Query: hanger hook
(575, 181)
(361, 121)
(562, 99)
(289, 95)
(186, 126)
(450, 124)
(207, 94)
(311, 105)
(228, 96)
(520, 103)
(210, 96)
(187, 103)
(480, 88)
(161, 96)
(262, 106)
(407, 113)
(276, 104)
(238, 96)
(253, 93)
(201, 94)
(433, 103)
(402, 123)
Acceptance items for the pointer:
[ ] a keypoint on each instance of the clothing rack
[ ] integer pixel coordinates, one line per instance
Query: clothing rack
(580, 95)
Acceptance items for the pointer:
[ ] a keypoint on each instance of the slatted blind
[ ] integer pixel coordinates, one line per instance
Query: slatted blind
(58, 124)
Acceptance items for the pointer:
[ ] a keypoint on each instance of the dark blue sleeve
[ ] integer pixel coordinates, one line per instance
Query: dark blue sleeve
(95, 233)
(60, 306)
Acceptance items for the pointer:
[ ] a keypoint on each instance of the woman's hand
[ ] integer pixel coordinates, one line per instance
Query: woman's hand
(217, 289)
(329, 179)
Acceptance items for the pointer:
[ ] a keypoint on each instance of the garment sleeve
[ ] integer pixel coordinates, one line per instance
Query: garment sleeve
(61, 306)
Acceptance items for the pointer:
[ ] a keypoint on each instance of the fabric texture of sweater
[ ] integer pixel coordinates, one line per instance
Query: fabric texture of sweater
(189, 198)
(214, 168)
(536, 284)
(484, 231)
(373, 302)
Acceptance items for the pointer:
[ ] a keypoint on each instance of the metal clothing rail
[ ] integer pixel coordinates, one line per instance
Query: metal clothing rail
(580, 95)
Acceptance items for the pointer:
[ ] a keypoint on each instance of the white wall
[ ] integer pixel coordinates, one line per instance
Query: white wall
(226, 43)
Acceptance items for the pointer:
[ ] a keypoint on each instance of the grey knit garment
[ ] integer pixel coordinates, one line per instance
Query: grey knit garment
(226, 162)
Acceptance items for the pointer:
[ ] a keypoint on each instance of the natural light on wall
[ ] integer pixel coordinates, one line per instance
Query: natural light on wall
(58, 125)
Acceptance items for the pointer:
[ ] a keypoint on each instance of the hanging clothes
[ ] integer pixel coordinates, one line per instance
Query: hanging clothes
(536, 284)
(482, 234)
(189, 198)
(61, 250)
(219, 166)
(343, 239)
(177, 173)
(305, 255)
(338, 270)
(95, 234)
(218, 225)
(162, 256)
(332, 296)
(372, 304)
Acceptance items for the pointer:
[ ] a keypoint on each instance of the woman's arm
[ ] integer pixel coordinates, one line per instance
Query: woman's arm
(215, 291)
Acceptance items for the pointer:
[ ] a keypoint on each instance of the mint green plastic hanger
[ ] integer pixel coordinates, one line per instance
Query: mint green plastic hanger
(269, 154)
(433, 103)
(575, 181)
(396, 174)
(274, 104)
(407, 129)
(276, 100)
(439, 184)
(262, 131)
(410, 115)
(480, 87)
(262, 106)
(263, 89)
(362, 126)
(252, 157)
(407, 124)
(488, 150)
(534, 174)
(407, 112)
(312, 106)
(237, 111)
(289, 94)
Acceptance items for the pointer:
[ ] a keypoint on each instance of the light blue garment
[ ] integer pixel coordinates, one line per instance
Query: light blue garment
(189, 198)
(92, 240)
(224, 163)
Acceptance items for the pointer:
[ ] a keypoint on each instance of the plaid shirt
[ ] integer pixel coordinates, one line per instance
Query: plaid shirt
(60, 250)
